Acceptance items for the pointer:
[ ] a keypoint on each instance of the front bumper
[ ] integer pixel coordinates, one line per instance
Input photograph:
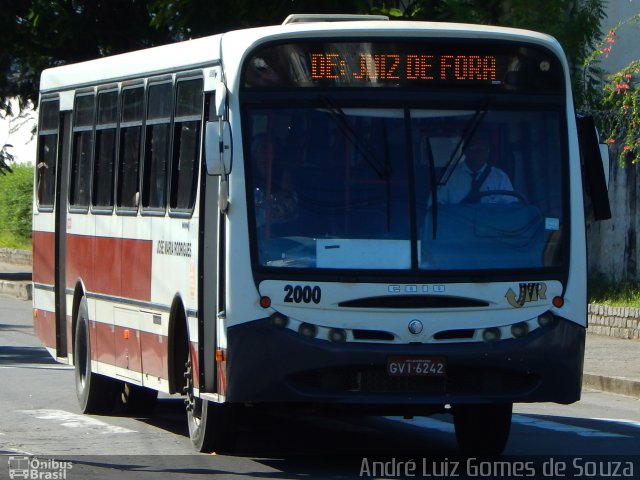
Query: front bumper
(268, 364)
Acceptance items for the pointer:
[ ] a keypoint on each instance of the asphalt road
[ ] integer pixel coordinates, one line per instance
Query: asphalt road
(40, 427)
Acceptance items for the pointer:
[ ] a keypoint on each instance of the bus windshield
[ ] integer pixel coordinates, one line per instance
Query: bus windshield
(406, 188)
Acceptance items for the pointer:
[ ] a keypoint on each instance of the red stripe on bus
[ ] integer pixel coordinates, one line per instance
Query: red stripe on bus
(43, 257)
(44, 326)
(136, 268)
(153, 348)
(110, 266)
(130, 349)
(102, 343)
(79, 261)
(137, 351)
(127, 349)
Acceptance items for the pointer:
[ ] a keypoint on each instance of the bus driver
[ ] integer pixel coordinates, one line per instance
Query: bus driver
(275, 199)
(474, 175)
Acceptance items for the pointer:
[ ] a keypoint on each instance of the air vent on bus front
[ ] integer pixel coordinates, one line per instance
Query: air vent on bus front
(414, 301)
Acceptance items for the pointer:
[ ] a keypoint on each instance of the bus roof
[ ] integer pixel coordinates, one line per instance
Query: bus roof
(206, 51)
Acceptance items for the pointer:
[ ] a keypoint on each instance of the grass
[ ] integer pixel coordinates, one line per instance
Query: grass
(623, 294)
(16, 196)
(9, 240)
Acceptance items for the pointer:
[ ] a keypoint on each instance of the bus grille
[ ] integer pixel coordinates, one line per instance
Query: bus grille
(376, 380)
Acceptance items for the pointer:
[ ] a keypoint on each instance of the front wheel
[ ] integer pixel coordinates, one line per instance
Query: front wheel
(482, 429)
(212, 426)
(96, 393)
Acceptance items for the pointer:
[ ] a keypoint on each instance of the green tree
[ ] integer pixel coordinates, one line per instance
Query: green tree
(196, 18)
(46, 33)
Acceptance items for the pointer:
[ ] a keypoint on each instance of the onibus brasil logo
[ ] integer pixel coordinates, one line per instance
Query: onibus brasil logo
(37, 468)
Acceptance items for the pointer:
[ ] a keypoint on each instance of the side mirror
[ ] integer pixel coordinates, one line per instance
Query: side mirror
(217, 147)
(594, 166)
(221, 99)
(604, 154)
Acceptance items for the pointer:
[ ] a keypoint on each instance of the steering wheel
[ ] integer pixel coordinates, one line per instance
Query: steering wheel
(491, 193)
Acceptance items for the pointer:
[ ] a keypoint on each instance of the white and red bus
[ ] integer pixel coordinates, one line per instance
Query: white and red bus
(280, 216)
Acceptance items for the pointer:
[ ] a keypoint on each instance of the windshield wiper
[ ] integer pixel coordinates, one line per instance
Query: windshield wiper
(434, 189)
(340, 118)
(469, 130)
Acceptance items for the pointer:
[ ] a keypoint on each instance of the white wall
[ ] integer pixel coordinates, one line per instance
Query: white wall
(18, 131)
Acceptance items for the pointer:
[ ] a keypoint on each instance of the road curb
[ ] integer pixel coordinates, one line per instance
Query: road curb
(19, 290)
(617, 385)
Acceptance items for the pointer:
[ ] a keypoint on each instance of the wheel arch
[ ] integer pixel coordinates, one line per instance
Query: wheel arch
(79, 292)
(177, 344)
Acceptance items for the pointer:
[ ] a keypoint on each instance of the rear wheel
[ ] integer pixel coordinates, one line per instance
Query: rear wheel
(96, 393)
(482, 429)
(212, 426)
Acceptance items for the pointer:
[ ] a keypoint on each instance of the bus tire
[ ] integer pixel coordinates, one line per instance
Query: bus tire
(482, 430)
(212, 426)
(96, 393)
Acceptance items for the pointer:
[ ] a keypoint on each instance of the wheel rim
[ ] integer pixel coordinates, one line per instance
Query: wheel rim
(193, 404)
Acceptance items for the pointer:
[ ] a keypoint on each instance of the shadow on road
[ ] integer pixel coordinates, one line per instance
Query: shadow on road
(24, 355)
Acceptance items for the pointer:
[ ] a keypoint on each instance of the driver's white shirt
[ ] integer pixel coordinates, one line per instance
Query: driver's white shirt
(459, 185)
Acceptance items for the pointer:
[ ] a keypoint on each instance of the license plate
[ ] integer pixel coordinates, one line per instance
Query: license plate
(416, 366)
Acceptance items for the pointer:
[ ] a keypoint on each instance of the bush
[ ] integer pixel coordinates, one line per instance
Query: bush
(15, 207)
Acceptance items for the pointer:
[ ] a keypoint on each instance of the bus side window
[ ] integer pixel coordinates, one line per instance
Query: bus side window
(186, 143)
(157, 144)
(47, 152)
(82, 155)
(105, 152)
(130, 147)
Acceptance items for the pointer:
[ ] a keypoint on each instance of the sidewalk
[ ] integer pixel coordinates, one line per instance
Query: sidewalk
(610, 364)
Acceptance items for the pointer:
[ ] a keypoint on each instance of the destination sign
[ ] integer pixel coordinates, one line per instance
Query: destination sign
(405, 64)
(408, 67)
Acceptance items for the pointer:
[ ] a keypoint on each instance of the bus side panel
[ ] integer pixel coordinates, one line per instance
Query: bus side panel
(44, 319)
(136, 269)
(80, 259)
(43, 254)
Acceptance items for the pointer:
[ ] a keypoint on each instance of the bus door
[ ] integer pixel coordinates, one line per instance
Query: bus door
(63, 324)
(212, 253)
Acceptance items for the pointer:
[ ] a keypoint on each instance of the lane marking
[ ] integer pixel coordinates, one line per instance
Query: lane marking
(13, 451)
(77, 421)
(40, 367)
(447, 427)
(562, 427)
(621, 421)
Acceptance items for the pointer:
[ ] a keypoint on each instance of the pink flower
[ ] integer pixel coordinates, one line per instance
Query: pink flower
(626, 148)
(611, 141)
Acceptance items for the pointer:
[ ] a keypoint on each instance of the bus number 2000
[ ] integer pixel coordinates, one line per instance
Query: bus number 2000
(300, 294)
